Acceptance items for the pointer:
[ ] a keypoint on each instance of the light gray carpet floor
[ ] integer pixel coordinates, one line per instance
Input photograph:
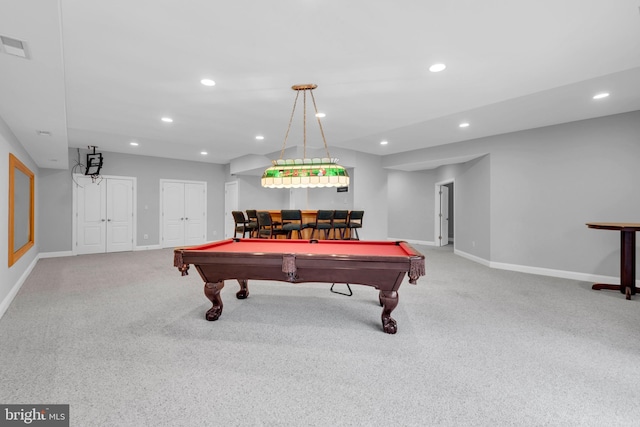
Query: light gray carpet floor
(123, 340)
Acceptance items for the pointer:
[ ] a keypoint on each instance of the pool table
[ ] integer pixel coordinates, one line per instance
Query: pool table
(380, 264)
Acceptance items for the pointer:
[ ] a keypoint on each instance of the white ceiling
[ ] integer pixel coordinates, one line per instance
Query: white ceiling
(104, 73)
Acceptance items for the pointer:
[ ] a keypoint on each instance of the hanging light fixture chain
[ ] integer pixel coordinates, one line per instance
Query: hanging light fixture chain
(284, 145)
(304, 124)
(320, 124)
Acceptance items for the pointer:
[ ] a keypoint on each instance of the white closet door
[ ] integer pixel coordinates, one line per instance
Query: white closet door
(173, 214)
(104, 215)
(195, 213)
(119, 215)
(91, 216)
(184, 213)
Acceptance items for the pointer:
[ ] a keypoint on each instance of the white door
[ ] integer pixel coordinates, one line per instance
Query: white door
(230, 204)
(104, 215)
(183, 214)
(444, 215)
(194, 214)
(119, 215)
(91, 215)
(172, 214)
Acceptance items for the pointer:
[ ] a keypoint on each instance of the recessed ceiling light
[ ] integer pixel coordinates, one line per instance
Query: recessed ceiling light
(208, 82)
(135, 144)
(384, 142)
(259, 137)
(464, 125)
(204, 153)
(167, 119)
(601, 95)
(321, 115)
(436, 68)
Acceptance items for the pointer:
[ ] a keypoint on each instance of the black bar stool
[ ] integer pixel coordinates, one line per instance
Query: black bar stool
(324, 221)
(354, 223)
(242, 224)
(292, 221)
(266, 227)
(340, 223)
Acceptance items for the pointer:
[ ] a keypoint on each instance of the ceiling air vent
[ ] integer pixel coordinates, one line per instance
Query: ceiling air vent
(13, 46)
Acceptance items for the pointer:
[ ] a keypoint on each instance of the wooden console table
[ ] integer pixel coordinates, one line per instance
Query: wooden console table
(627, 255)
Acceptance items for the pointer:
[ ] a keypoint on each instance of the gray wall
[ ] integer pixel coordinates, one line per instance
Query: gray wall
(329, 198)
(251, 194)
(547, 183)
(411, 205)
(527, 203)
(54, 205)
(11, 276)
(370, 195)
(472, 208)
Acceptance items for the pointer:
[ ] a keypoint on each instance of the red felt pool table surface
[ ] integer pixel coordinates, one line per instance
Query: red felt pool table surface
(316, 247)
(379, 264)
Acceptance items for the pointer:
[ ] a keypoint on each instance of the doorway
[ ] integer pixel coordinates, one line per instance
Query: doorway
(444, 216)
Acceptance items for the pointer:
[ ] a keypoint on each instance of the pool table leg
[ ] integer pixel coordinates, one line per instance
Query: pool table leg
(243, 293)
(389, 301)
(212, 291)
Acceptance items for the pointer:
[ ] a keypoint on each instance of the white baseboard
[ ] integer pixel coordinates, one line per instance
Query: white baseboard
(6, 302)
(55, 254)
(70, 253)
(472, 257)
(412, 242)
(147, 247)
(563, 274)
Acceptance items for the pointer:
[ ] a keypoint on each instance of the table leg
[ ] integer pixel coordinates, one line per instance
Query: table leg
(627, 284)
(628, 263)
(212, 291)
(243, 293)
(389, 301)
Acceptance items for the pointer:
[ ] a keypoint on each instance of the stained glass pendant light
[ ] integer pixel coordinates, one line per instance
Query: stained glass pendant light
(305, 172)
